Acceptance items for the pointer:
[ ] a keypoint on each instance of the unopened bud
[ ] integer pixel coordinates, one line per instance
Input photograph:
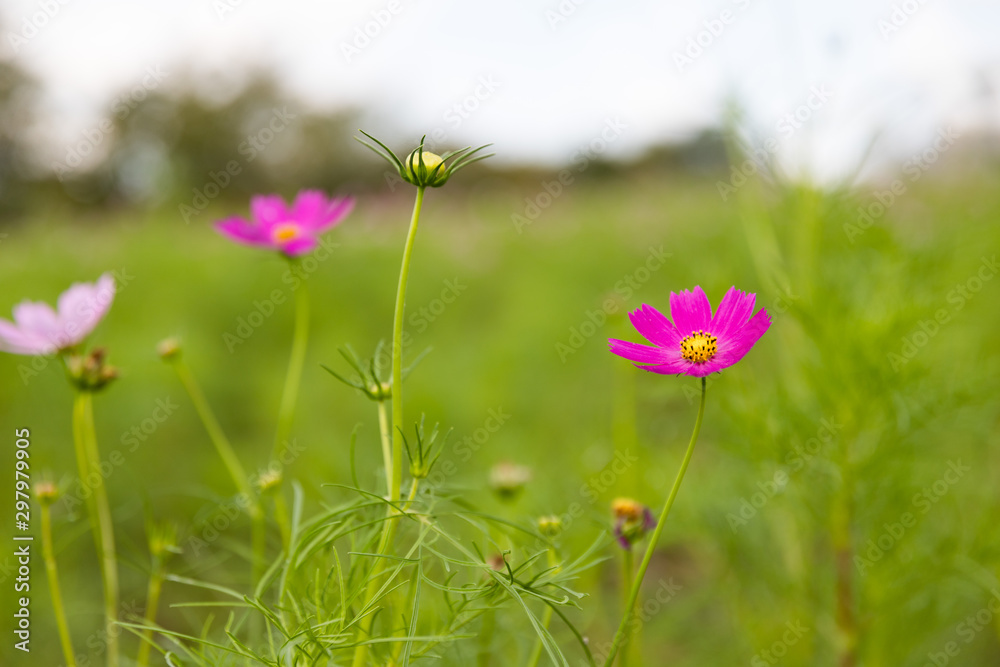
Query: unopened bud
(508, 479)
(46, 492)
(169, 349)
(550, 526)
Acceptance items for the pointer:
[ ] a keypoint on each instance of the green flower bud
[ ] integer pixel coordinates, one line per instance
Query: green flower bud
(550, 526)
(169, 349)
(423, 168)
(508, 479)
(46, 492)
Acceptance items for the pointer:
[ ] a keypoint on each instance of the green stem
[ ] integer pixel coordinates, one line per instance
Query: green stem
(83, 416)
(215, 432)
(290, 395)
(281, 517)
(152, 603)
(383, 428)
(536, 652)
(633, 595)
(396, 479)
(397, 352)
(365, 626)
(231, 461)
(258, 540)
(57, 602)
(628, 567)
(486, 637)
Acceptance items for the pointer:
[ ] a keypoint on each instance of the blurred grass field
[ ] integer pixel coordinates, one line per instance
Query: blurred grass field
(770, 500)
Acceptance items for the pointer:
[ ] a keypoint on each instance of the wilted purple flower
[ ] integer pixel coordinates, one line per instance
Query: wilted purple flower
(632, 521)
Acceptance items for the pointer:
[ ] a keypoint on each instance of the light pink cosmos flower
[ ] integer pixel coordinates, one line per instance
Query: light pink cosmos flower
(293, 230)
(695, 343)
(38, 329)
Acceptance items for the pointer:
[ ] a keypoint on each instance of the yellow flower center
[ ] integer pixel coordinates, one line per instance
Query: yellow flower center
(286, 231)
(699, 347)
(626, 508)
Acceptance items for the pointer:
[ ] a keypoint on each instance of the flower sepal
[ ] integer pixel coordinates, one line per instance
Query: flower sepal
(423, 168)
(426, 451)
(90, 372)
(371, 375)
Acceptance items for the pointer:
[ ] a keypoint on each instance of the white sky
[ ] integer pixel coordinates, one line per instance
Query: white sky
(557, 84)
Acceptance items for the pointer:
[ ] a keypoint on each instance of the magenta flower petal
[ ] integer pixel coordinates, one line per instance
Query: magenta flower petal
(676, 366)
(242, 231)
(733, 312)
(313, 210)
(309, 206)
(648, 520)
(299, 246)
(337, 210)
(739, 344)
(293, 230)
(699, 345)
(620, 536)
(654, 326)
(641, 354)
(691, 311)
(268, 210)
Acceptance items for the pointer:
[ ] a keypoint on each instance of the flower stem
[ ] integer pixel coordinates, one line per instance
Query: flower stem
(633, 595)
(396, 479)
(628, 568)
(57, 602)
(215, 432)
(365, 626)
(536, 652)
(290, 394)
(281, 517)
(152, 602)
(231, 461)
(847, 624)
(397, 352)
(383, 428)
(100, 509)
(486, 632)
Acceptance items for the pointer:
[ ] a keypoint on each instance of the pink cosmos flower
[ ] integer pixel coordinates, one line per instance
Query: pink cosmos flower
(38, 329)
(695, 343)
(293, 230)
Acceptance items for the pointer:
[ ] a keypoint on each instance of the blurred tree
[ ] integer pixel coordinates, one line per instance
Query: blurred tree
(176, 143)
(18, 97)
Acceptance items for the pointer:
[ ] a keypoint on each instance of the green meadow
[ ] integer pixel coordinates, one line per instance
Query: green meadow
(840, 505)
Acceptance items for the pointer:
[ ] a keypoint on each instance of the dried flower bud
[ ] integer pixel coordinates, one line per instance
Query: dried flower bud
(90, 372)
(269, 480)
(46, 492)
(169, 349)
(550, 526)
(508, 479)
